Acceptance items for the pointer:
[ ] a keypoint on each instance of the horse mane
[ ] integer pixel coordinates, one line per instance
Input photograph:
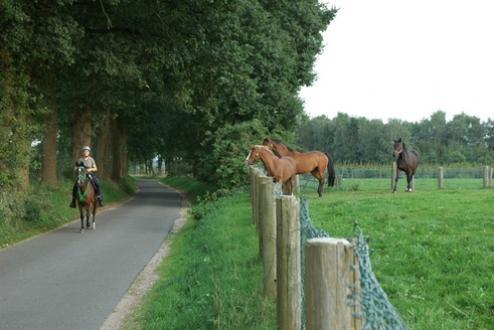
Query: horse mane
(281, 142)
(259, 146)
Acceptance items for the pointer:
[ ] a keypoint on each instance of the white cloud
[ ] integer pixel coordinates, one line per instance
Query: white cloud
(403, 59)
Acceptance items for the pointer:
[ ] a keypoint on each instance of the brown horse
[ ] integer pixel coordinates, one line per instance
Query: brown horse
(406, 161)
(86, 199)
(314, 162)
(283, 170)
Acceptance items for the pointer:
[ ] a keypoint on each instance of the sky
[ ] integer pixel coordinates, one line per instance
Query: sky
(405, 59)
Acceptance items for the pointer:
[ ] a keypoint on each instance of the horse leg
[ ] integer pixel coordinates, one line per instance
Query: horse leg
(397, 176)
(82, 219)
(88, 215)
(94, 216)
(320, 177)
(409, 182)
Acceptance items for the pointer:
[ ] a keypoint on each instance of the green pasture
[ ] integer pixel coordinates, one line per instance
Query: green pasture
(308, 184)
(432, 251)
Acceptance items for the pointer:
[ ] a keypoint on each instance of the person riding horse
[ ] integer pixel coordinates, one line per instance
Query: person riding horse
(90, 165)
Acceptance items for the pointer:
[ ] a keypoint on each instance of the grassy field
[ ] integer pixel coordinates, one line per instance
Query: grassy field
(213, 277)
(48, 208)
(432, 251)
(385, 184)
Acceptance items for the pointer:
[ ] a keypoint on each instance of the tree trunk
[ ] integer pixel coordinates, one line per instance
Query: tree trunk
(124, 171)
(49, 174)
(103, 146)
(82, 130)
(116, 151)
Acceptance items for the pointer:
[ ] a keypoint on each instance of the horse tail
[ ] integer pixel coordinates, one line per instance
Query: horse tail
(331, 172)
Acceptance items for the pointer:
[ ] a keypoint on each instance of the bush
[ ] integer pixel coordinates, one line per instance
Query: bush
(226, 156)
(32, 209)
(127, 184)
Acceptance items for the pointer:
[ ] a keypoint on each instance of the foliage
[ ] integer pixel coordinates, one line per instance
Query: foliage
(464, 139)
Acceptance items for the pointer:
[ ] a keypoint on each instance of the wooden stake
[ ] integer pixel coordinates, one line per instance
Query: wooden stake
(288, 306)
(329, 277)
(440, 177)
(268, 235)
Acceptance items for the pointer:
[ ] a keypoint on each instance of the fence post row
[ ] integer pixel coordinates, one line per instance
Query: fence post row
(330, 270)
(268, 235)
(289, 300)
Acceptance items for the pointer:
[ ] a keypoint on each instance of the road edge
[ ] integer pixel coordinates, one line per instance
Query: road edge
(148, 276)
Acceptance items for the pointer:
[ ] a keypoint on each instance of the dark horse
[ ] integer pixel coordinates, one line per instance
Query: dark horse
(86, 199)
(406, 161)
(314, 162)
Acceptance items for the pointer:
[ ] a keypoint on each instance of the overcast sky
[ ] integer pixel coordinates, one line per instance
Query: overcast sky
(406, 59)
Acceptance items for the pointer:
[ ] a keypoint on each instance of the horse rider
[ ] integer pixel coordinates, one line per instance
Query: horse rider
(90, 165)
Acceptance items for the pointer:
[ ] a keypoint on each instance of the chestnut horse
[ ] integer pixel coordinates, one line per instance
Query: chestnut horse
(406, 161)
(86, 199)
(282, 169)
(314, 162)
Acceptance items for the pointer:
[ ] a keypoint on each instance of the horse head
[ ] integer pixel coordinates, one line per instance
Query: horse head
(398, 147)
(256, 152)
(81, 175)
(276, 146)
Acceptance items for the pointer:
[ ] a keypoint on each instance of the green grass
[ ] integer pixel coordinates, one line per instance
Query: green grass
(48, 208)
(191, 187)
(213, 277)
(385, 184)
(433, 250)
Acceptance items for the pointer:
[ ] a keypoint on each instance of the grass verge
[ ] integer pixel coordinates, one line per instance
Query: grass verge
(47, 208)
(213, 277)
(433, 251)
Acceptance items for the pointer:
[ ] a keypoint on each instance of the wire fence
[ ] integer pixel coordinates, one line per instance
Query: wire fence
(426, 178)
(378, 312)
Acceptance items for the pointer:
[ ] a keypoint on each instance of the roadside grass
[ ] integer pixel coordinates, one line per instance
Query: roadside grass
(432, 250)
(48, 207)
(192, 188)
(213, 277)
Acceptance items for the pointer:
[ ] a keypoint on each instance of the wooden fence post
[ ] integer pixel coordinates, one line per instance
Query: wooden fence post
(338, 181)
(393, 176)
(253, 192)
(490, 176)
(256, 199)
(268, 235)
(289, 300)
(329, 277)
(440, 177)
(486, 176)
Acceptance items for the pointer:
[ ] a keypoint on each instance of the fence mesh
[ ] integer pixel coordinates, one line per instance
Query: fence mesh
(379, 313)
(378, 310)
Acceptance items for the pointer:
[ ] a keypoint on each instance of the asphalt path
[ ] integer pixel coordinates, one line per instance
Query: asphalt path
(67, 280)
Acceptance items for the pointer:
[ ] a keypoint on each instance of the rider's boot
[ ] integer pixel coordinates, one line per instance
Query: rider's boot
(72, 204)
(100, 200)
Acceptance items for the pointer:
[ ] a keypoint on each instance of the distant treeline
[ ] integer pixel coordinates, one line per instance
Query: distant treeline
(464, 139)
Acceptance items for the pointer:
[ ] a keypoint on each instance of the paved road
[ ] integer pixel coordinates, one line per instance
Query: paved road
(65, 280)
